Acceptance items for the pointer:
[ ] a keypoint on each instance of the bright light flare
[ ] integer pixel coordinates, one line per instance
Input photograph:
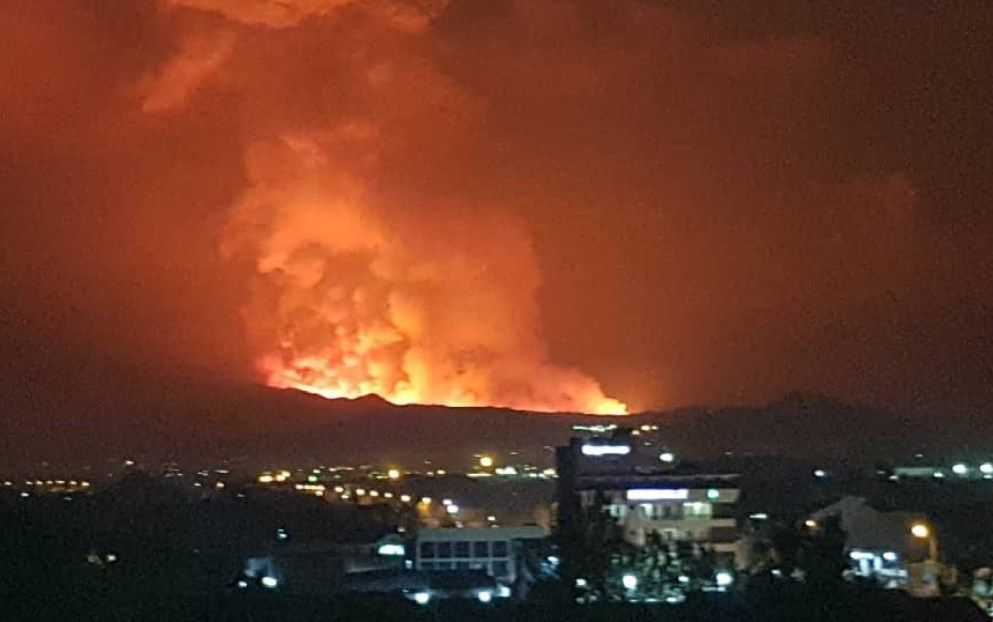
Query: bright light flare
(920, 530)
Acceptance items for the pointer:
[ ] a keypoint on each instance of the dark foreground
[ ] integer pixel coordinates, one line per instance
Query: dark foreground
(793, 605)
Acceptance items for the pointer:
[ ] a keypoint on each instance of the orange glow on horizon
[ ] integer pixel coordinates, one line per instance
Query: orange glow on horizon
(331, 386)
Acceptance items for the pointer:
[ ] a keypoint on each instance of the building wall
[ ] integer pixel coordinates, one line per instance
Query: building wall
(491, 550)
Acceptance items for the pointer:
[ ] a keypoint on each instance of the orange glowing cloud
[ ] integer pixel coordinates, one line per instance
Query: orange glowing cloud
(356, 291)
(353, 299)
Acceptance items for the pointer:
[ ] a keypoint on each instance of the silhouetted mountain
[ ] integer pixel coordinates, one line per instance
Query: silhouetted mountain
(194, 421)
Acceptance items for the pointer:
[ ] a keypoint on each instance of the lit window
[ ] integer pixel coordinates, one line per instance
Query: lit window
(697, 509)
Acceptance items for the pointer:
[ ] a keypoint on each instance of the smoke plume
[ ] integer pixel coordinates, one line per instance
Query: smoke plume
(355, 292)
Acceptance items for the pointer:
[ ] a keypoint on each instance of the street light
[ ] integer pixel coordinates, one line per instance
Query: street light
(922, 531)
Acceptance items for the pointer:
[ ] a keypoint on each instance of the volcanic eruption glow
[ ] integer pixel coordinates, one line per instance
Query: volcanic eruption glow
(353, 297)
(362, 280)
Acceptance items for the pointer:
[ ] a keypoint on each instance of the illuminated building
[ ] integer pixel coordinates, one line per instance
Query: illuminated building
(490, 549)
(643, 496)
(899, 549)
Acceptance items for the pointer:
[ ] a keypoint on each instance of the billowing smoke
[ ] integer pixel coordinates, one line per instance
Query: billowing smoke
(356, 290)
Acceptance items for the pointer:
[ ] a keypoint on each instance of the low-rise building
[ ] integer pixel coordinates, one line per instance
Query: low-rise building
(495, 550)
(899, 549)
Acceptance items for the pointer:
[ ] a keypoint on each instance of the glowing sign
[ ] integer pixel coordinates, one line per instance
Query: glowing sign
(391, 549)
(657, 494)
(606, 450)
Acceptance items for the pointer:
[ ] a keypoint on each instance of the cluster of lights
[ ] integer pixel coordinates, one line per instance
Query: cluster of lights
(278, 477)
(53, 482)
(645, 428)
(529, 472)
(961, 469)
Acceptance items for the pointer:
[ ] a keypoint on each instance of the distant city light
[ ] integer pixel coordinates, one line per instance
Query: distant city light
(269, 582)
(606, 450)
(484, 596)
(889, 556)
(960, 469)
(939, 475)
(373, 493)
(426, 500)
(485, 462)
(758, 516)
(724, 578)
(820, 473)
(810, 523)
(986, 467)
(405, 498)
(595, 429)
(920, 530)
(393, 474)
(242, 583)
(360, 492)
(265, 478)
(629, 581)
(452, 508)
(667, 457)
(581, 583)
(509, 470)
(446, 501)
(713, 494)
(657, 494)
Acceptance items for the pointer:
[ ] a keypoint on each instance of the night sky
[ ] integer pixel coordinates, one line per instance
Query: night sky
(540, 204)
